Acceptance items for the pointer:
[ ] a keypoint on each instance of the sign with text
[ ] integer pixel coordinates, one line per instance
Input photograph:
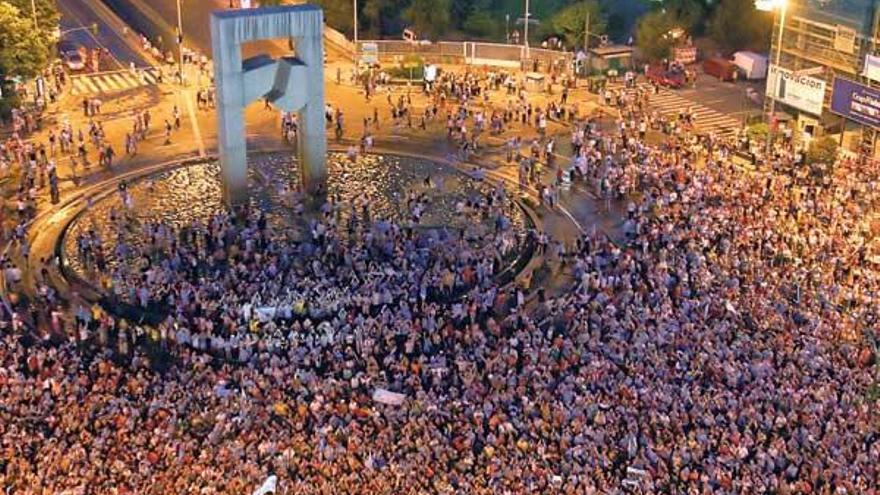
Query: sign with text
(685, 55)
(856, 102)
(799, 91)
(872, 67)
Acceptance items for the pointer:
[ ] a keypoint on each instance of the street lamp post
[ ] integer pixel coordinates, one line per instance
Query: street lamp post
(782, 6)
(526, 29)
(179, 43)
(355, 31)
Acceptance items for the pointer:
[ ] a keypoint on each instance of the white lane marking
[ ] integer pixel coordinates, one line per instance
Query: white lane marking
(103, 86)
(122, 82)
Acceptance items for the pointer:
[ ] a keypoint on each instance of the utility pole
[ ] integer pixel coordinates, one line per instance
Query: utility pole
(526, 30)
(179, 43)
(778, 60)
(587, 32)
(355, 33)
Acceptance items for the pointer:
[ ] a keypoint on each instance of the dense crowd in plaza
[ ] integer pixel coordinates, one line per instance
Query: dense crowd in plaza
(723, 347)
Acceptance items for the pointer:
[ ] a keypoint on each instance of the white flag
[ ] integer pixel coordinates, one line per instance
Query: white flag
(388, 397)
(268, 486)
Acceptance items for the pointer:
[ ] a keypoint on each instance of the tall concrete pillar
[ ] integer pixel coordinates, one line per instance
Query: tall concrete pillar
(312, 138)
(293, 84)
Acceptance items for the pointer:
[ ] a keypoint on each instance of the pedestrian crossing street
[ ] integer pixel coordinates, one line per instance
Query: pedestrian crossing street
(111, 82)
(669, 103)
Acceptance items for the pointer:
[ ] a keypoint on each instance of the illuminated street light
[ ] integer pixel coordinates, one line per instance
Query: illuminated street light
(781, 6)
(770, 5)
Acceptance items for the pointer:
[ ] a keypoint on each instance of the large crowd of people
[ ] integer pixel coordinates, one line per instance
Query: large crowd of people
(724, 346)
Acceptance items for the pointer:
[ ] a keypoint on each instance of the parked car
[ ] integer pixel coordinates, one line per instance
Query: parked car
(669, 78)
(721, 68)
(71, 54)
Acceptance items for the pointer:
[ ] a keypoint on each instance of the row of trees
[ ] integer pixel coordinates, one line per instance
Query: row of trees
(488, 19)
(731, 24)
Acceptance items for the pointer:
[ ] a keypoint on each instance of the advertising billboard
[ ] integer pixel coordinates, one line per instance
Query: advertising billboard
(856, 102)
(799, 91)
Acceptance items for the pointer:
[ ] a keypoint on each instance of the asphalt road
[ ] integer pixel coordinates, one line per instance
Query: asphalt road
(159, 18)
(77, 14)
(726, 97)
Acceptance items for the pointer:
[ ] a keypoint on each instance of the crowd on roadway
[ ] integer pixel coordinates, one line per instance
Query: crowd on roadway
(725, 346)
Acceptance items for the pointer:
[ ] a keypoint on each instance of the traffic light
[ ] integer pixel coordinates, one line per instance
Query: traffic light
(94, 28)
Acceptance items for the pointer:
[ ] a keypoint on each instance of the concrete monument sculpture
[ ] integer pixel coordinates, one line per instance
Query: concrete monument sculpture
(290, 83)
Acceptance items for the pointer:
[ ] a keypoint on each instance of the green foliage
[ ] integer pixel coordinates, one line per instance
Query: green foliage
(24, 51)
(482, 24)
(428, 17)
(462, 10)
(758, 131)
(48, 14)
(382, 16)
(738, 25)
(686, 14)
(822, 152)
(650, 35)
(412, 66)
(480, 18)
(337, 14)
(569, 22)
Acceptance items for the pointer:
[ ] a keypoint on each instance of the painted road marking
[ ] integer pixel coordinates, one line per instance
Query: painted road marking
(113, 81)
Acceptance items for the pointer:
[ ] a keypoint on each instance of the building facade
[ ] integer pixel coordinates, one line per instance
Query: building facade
(819, 41)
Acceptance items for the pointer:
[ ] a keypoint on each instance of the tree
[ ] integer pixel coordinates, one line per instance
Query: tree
(687, 14)
(428, 16)
(383, 16)
(477, 17)
(569, 22)
(652, 35)
(738, 25)
(48, 15)
(822, 155)
(482, 24)
(23, 51)
(461, 10)
(337, 14)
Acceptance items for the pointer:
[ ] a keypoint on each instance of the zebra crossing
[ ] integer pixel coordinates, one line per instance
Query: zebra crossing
(670, 103)
(111, 82)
